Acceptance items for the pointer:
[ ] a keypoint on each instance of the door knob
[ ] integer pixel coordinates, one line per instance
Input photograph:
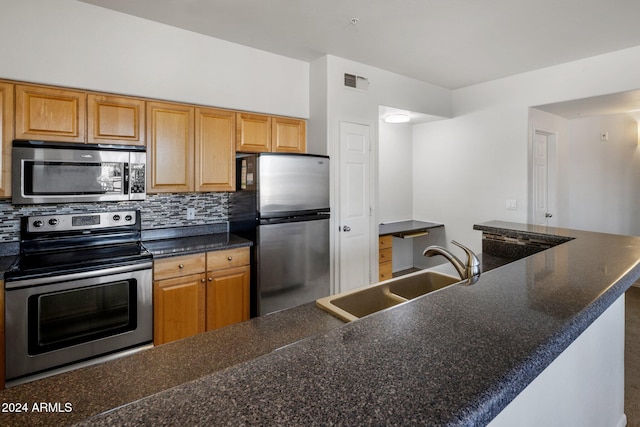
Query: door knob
(346, 228)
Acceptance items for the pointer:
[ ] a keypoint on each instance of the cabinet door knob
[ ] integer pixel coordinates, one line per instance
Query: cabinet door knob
(181, 266)
(211, 279)
(230, 258)
(202, 280)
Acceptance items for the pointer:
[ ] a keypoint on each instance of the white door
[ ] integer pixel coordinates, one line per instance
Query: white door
(542, 178)
(354, 211)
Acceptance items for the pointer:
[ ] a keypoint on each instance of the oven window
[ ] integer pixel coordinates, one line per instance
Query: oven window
(62, 178)
(76, 316)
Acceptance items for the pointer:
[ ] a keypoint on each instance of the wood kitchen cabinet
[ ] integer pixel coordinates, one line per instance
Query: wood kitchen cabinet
(385, 258)
(186, 301)
(170, 147)
(179, 301)
(49, 114)
(228, 296)
(288, 135)
(115, 120)
(6, 137)
(258, 133)
(253, 133)
(215, 165)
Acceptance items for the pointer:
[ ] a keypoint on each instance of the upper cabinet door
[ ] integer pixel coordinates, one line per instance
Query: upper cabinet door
(288, 135)
(254, 133)
(115, 120)
(6, 136)
(215, 150)
(170, 147)
(49, 114)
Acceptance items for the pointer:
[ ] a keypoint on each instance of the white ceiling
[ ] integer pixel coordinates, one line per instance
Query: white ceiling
(615, 103)
(450, 43)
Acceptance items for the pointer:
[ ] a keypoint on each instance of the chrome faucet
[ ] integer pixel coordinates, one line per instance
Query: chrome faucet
(469, 271)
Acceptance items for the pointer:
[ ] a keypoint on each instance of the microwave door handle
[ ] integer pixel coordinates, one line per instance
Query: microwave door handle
(125, 172)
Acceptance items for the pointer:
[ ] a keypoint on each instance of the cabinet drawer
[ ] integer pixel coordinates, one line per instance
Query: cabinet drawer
(385, 271)
(385, 242)
(385, 255)
(227, 258)
(178, 266)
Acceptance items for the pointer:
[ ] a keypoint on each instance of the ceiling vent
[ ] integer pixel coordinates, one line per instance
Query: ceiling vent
(356, 82)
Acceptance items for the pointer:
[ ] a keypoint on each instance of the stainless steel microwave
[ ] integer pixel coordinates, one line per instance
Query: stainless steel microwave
(48, 172)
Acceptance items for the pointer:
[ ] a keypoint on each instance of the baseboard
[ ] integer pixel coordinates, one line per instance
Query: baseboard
(623, 421)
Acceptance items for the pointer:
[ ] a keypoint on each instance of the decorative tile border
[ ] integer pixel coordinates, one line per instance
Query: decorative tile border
(158, 211)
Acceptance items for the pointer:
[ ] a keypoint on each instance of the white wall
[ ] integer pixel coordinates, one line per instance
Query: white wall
(69, 43)
(395, 172)
(604, 176)
(483, 151)
(318, 105)
(395, 185)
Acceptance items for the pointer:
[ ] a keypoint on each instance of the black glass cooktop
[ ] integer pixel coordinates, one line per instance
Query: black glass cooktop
(75, 260)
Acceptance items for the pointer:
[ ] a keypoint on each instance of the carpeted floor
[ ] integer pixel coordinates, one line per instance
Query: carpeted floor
(632, 357)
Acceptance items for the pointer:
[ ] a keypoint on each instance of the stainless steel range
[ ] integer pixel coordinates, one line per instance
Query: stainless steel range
(80, 291)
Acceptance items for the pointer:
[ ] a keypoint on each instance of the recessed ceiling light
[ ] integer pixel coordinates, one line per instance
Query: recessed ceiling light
(397, 118)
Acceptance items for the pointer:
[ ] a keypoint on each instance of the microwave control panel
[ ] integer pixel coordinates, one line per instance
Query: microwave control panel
(137, 183)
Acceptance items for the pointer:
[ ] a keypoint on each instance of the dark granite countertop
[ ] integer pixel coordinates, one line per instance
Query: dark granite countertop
(405, 227)
(454, 357)
(194, 244)
(102, 387)
(167, 242)
(553, 235)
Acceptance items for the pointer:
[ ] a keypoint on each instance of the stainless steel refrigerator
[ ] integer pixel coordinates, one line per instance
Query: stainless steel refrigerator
(281, 202)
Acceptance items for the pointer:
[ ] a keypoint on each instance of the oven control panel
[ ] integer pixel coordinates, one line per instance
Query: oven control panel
(84, 221)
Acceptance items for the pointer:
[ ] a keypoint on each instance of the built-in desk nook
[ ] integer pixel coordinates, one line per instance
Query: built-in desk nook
(400, 246)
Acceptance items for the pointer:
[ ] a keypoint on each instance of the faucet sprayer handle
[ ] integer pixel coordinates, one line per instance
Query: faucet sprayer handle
(472, 259)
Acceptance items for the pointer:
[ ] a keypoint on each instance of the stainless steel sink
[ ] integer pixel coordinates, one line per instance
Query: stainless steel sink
(361, 302)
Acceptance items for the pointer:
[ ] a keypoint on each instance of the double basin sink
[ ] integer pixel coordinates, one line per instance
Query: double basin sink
(352, 305)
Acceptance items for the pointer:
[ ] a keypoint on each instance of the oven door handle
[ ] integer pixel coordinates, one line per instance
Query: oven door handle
(18, 284)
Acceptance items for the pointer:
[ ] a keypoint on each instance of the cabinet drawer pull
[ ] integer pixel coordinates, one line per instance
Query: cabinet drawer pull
(230, 258)
(181, 266)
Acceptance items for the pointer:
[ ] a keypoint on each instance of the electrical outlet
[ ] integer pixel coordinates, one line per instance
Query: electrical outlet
(191, 213)
(512, 204)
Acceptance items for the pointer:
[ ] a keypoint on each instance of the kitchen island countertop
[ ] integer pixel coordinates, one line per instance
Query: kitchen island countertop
(455, 357)
(105, 386)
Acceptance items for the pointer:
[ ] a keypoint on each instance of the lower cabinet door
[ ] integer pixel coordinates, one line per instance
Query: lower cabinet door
(227, 297)
(178, 308)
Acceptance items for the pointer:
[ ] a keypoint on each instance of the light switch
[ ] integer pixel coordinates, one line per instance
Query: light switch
(512, 204)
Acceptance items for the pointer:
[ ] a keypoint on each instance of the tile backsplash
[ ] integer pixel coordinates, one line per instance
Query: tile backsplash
(158, 211)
